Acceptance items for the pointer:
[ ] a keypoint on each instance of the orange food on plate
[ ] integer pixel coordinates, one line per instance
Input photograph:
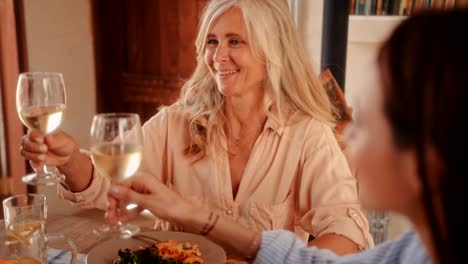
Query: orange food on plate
(187, 253)
(169, 252)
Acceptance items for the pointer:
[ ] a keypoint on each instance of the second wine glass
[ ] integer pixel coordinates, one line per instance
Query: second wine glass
(116, 152)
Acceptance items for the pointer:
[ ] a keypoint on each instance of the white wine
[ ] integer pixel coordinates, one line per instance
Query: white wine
(116, 160)
(42, 118)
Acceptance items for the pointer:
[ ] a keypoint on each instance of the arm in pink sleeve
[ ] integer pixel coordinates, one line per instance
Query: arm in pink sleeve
(328, 202)
(95, 196)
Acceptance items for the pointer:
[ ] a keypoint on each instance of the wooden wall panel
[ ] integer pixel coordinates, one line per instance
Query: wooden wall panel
(108, 29)
(155, 42)
(9, 70)
(169, 39)
(187, 18)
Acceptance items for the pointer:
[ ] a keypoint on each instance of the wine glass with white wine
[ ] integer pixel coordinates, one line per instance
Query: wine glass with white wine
(116, 152)
(41, 102)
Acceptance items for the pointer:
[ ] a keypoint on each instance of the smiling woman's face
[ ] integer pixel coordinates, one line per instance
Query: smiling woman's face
(229, 56)
(387, 175)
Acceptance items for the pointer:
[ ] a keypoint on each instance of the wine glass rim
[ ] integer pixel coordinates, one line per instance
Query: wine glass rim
(39, 73)
(117, 115)
(41, 198)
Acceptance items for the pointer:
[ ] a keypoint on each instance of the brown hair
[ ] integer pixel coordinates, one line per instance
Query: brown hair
(424, 65)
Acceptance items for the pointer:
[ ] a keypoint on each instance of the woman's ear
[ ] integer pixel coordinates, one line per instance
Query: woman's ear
(409, 170)
(433, 169)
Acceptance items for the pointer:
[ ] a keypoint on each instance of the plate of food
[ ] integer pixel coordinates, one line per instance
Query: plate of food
(174, 248)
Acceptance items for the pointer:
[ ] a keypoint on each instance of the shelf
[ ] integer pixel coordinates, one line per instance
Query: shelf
(376, 18)
(371, 29)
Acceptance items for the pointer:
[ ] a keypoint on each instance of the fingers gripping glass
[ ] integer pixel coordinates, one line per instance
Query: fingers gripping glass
(116, 151)
(40, 102)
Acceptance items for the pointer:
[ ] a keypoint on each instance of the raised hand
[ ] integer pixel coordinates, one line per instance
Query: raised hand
(55, 149)
(148, 193)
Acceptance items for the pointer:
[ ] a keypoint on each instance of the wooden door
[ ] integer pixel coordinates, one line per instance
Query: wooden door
(12, 165)
(144, 51)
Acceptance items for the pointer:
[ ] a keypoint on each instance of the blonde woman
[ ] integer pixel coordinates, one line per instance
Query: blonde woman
(250, 139)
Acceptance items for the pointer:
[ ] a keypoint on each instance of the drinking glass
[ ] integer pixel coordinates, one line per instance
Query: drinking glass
(40, 102)
(116, 152)
(23, 232)
(378, 225)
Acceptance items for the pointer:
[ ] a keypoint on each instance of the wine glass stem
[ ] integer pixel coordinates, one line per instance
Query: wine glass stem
(50, 170)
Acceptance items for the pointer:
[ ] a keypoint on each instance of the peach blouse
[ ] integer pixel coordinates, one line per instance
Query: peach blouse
(297, 178)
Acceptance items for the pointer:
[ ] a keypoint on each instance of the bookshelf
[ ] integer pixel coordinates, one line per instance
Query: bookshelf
(365, 35)
(371, 29)
(399, 7)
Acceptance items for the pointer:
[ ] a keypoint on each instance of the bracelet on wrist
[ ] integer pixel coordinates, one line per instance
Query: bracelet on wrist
(212, 220)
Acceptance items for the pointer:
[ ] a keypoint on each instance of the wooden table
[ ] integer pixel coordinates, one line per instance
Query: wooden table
(79, 227)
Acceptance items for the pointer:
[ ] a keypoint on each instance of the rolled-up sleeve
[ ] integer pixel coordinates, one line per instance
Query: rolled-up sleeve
(328, 200)
(95, 196)
(285, 247)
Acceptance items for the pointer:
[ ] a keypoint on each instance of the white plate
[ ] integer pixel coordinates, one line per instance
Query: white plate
(106, 252)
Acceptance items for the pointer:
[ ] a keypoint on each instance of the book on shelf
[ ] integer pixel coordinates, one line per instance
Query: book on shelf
(368, 7)
(360, 7)
(400, 7)
(379, 7)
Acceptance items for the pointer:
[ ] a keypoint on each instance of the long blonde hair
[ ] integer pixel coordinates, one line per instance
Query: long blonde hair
(291, 82)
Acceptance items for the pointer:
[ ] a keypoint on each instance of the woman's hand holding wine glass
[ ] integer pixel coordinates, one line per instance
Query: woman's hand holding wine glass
(116, 141)
(40, 102)
(116, 151)
(54, 150)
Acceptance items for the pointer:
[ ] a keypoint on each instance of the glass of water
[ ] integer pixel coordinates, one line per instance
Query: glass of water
(23, 231)
(378, 225)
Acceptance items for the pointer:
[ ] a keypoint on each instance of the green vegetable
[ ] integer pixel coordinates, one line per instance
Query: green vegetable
(143, 256)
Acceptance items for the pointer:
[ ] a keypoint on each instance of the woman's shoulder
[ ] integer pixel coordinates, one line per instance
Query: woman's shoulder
(309, 124)
(312, 132)
(173, 109)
